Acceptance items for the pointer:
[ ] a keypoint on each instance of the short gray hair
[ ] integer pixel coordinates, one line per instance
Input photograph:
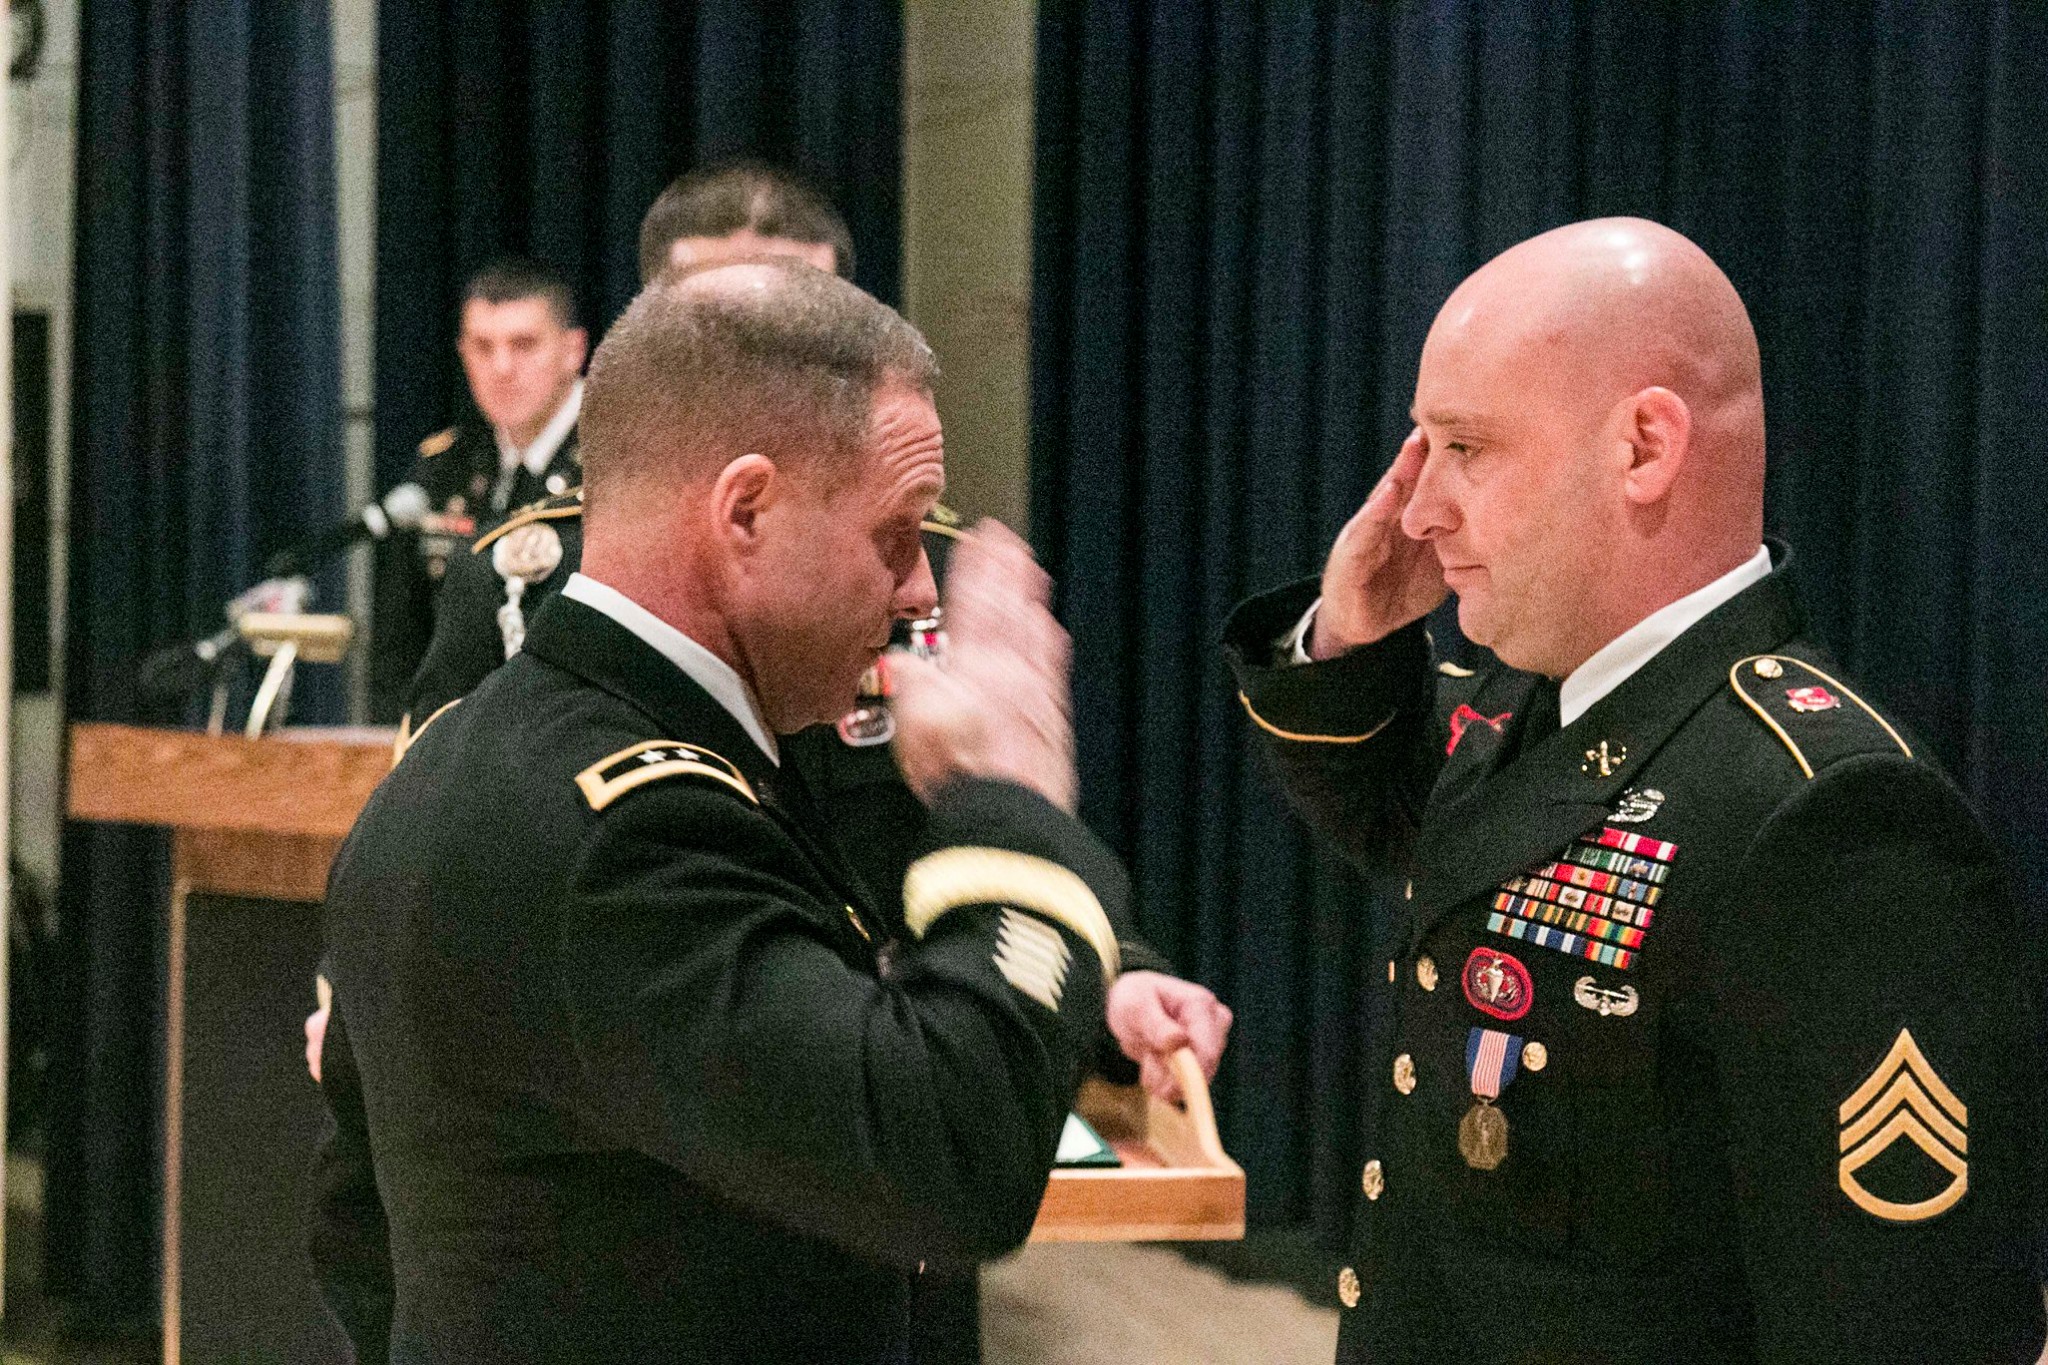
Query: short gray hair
(764, 355)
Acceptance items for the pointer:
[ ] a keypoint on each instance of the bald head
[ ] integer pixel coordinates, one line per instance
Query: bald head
(1606, 308)
(1593, 401)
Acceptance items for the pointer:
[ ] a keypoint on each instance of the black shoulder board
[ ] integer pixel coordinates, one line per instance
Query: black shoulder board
(1815, 716)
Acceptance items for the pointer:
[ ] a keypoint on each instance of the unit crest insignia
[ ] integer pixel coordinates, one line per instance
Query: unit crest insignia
(1904, 1098)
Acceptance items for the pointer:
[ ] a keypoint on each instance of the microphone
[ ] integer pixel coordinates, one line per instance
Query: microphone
(402, 509)
(176, 670)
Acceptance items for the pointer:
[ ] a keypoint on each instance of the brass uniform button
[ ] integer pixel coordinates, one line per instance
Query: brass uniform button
(1769, 668)
(1390, 971)
(1348, 1288)
(1425, 973)
(1408, 892)
(1535, 1057)
(1374, 1182)
(1404, 1072)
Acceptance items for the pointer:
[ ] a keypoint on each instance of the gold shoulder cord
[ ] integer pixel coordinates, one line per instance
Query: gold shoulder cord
(527, 518)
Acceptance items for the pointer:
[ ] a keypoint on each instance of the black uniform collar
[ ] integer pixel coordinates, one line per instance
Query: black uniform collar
(1530, 800)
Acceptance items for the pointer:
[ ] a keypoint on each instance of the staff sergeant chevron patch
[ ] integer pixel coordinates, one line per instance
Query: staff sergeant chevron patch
(1904, 1098)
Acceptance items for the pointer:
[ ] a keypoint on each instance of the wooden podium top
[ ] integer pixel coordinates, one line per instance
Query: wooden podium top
(309, 782)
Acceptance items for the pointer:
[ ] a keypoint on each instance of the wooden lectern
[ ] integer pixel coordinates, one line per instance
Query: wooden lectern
(254, 825)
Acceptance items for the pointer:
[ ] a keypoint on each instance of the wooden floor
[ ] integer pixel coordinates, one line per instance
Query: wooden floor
(1084, 1304)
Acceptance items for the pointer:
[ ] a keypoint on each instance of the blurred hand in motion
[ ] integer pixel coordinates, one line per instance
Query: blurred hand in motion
(316, 1026)
(1152, 1016)
(1378, 578)
(998, 707)
(316, 1039)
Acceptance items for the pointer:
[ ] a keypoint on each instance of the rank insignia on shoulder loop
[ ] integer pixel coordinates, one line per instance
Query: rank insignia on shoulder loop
(1491, 1060)
(1497, 984)
(1465, 716)
(1812, 699)
(1608, 1004)
(1637, 804)
(1904, 1098)
(611, 777)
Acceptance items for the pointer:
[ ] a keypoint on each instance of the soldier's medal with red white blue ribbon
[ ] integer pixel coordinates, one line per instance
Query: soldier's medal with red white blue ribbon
(1491, 1060)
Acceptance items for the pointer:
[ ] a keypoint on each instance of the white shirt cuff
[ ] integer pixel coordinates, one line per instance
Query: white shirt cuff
(1294, 644)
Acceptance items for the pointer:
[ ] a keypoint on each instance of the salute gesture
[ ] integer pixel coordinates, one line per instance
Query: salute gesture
(1378, 578)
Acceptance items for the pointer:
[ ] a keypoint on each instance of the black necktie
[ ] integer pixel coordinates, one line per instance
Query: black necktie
(1540, 715)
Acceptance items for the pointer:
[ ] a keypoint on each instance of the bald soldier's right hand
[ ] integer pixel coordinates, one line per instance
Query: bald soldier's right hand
(999, 706)
(1378, 578)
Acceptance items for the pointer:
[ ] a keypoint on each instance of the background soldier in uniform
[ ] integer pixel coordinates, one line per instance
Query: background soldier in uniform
(1712, 1039)
(522, 354)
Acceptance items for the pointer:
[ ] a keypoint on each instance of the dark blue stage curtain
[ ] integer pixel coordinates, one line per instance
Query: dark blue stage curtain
(1246, 217)
(547, 128)
(206, 434)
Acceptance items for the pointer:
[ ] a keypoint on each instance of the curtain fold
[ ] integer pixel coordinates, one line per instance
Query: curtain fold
(548, 129)
(1245, 219)
(206, 434)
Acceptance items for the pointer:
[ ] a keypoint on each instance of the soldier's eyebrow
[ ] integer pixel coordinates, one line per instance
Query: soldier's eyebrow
(1449, 419)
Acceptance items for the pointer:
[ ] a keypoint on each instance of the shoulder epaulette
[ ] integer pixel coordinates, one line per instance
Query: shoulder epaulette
(1804, 707)
(437, 443)
(569, 504)
(407, 736)
(606, 780)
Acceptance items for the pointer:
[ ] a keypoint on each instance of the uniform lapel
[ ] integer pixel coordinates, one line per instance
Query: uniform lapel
(1519, 813)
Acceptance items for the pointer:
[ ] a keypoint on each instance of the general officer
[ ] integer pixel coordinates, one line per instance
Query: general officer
(522, 354)
(1712, 1040)
(639, 1085)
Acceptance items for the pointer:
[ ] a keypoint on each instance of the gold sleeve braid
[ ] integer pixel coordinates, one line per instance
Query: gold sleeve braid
(955, 877)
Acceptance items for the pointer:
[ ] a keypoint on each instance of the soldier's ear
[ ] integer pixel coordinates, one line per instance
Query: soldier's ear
(744, 489)
(577, 341)
(1656, 427)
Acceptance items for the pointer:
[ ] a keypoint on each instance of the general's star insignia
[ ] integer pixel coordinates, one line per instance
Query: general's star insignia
(1904, 1098)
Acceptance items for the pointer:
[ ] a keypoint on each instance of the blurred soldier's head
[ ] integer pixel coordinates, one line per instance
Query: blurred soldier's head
(520, 344)
(743, 208)
(760, 448)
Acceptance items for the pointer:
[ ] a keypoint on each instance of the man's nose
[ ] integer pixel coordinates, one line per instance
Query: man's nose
(917, 596)
(1429, 512)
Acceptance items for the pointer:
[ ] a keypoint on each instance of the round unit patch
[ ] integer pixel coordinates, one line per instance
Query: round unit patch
(1497, 984)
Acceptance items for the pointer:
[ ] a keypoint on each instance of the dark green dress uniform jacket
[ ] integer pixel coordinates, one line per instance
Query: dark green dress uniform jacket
(1787, 1103)
(458, 468)
(639, 1086)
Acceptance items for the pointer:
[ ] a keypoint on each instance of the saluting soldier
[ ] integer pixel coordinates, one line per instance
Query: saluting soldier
(639, 1085)
(1712, 1039)
(522, 354)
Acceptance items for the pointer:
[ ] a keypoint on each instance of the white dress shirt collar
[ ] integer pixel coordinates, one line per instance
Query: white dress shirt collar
(1619, 659)
(706, 669)
(537, 456)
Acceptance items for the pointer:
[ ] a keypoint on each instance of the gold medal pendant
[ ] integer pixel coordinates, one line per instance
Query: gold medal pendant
(1483, 1136)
